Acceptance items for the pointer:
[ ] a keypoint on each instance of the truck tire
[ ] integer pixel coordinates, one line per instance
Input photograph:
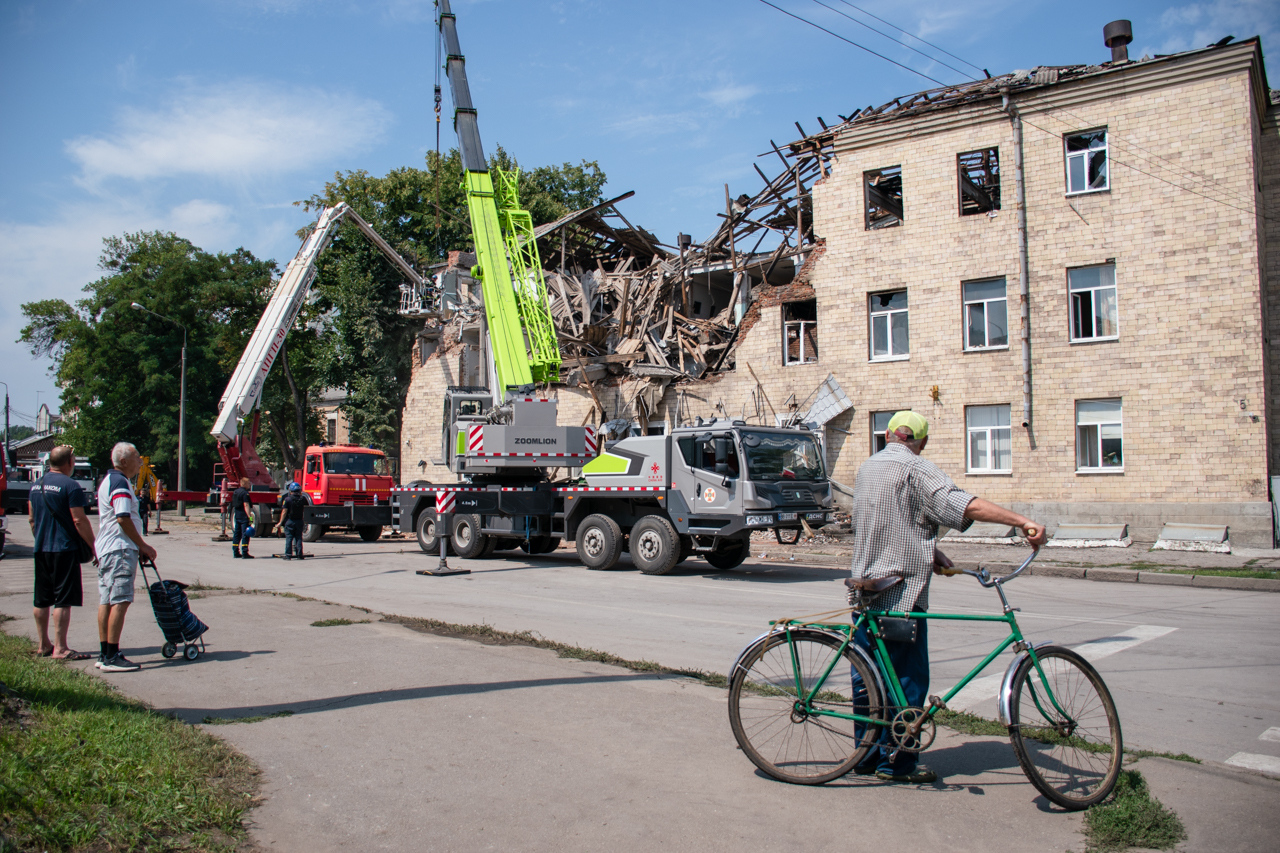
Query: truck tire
(655, 545)
(468, 541)
(262, 521)
(428, 541)
(729, 555)
(313, 532)
(599, 542)
(490, 545)
(370, 532)
(686, 549)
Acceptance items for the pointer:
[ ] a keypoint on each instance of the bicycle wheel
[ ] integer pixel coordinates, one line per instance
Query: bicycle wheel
(783, 738)
(1073, 760)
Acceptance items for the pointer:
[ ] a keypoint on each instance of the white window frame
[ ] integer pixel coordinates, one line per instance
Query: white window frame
(1068, 156)
(986, 315)
(1090, 434)
(990, 434)
(1073, 307)
(888, 315)
(800, 326)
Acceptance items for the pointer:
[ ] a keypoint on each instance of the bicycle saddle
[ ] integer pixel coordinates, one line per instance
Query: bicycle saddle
(873, 585)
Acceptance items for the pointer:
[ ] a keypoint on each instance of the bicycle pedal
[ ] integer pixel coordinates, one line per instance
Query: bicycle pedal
(937, 702)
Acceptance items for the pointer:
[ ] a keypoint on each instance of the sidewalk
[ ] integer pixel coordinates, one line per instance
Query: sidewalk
(407, 741)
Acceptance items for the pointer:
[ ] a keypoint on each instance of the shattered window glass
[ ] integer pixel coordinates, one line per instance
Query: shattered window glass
(890, 337)
(1087, 162)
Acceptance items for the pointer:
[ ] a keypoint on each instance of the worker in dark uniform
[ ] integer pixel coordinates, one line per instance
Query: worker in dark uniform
(241, 507)
(294, 505)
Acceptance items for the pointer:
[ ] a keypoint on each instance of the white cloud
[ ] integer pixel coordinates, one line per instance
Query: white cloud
(731, 95)
(1198, 24)
(237, 131)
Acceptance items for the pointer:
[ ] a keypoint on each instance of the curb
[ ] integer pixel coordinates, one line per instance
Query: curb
(1104, 575)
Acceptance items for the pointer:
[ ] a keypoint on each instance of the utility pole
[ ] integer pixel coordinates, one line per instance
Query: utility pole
(6, 424)
(182, 408)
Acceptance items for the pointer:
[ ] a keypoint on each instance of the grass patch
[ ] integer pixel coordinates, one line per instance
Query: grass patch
(226, 721)
(82, 766)
(492, 636)
(1135, 754)
(333, 623)
(1219, 573)
(971, 724)
(1131, 818)
(202, 587)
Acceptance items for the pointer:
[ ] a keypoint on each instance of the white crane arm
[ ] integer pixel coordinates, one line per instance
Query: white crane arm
(245, 388)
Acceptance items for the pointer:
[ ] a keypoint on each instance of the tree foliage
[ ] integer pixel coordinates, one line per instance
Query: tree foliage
(365, 344)
(119, 368)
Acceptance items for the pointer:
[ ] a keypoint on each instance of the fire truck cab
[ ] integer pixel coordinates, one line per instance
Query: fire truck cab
(347, 486)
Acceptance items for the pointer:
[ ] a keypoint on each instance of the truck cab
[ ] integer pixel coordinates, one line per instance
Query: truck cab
(347, 486)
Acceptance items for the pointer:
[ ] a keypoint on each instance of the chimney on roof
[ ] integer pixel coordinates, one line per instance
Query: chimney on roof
(1117, 35)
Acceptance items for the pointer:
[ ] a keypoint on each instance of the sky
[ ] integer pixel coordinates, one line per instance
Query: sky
(210, 119)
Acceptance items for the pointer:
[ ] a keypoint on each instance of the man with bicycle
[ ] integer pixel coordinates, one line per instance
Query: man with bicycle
(901, 505)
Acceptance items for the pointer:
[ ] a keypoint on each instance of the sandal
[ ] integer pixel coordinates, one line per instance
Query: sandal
(73, 655)
(43, 654)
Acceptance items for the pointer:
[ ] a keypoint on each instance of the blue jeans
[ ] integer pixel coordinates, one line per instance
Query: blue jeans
(911, 663)
(238, 534)
(292, 537)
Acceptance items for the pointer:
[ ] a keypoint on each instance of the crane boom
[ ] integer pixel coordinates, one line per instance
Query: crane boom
(245, 388)
(522, 342)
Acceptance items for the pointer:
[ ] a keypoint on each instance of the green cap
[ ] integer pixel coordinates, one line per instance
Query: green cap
(915, 424)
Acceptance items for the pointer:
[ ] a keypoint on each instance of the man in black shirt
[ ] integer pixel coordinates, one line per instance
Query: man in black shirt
(294, 506)
(56, 514)
(241, 507)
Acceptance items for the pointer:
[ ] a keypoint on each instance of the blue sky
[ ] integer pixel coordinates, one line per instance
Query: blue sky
(210, 119)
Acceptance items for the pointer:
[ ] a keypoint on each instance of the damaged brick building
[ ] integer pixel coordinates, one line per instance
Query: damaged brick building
(1073, 272)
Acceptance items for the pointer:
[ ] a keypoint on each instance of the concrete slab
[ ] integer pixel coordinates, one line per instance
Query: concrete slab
(1090, 536)
(1243, 817)
(1112, 575)
(1166, 578)
(1193, 537)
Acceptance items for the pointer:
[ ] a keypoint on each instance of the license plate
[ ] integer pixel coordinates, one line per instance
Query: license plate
(816, 516)
(787, 516)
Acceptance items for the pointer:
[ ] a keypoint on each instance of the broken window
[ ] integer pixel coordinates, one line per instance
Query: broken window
(1093, 303)
(697, 308)
(989, 439)
(1087, 162)
(986, 314)
(884, 197)
(889, 333)
(1099, 435)
(880, 425)
(331, 430)
(800, 332)
(979, 181)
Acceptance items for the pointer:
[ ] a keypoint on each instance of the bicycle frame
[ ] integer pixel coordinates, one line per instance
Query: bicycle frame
(867, 619)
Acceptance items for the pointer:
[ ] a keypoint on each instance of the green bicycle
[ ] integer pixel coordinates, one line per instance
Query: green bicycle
(799, 721)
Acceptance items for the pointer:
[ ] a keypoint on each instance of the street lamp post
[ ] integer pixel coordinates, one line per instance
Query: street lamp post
(182, 409)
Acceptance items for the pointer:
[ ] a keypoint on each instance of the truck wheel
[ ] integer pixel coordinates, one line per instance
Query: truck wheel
(468, 541)
(686, 549)
(313, 532)
(428, 541)
(655, 546)
(490, 545)
(599, 542)
(729, 555)
(370, 532)
(262, 520)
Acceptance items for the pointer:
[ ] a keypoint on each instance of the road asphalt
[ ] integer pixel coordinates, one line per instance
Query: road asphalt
(401, 740)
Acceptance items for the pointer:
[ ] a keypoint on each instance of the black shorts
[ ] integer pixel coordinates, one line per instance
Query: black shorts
(58, 579)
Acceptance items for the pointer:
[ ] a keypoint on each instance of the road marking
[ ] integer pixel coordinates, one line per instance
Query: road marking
(988, 686)
(1272, 734)
(1268, 764)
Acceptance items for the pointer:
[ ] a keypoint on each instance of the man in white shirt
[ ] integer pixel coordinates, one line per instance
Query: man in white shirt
(118, 545)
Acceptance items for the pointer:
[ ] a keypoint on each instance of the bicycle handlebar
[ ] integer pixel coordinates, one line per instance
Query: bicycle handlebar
(984, 577)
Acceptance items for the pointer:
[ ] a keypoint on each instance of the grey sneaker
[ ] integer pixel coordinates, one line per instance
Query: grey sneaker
(98, 662)
(119, 663)
(920, 776)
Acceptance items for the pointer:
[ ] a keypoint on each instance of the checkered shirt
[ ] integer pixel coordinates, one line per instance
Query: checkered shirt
(900, 500)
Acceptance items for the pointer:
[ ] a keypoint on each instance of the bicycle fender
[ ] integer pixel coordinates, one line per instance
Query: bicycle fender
(857, 650)
(1004, 701)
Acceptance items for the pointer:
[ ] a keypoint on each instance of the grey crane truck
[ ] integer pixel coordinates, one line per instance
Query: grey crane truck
(699, 491)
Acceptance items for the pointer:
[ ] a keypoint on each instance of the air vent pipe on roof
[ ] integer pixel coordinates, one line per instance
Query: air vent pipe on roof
(1117, 35)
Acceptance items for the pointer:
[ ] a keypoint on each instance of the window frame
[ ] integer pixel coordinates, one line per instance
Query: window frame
(1067, 155)
(993, 171)
(1100, 468)
(800, 326)
(1093, 291)
(986, 315)
(968, 440)
(878, 441)
(883, 222)
(888, 314)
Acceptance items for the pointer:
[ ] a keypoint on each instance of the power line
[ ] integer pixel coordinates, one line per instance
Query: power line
(892, 39)
(914, 36)
(854, 43)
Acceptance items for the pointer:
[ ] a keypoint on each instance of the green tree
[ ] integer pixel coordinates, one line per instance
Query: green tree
(119, 369)
(365, 344)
